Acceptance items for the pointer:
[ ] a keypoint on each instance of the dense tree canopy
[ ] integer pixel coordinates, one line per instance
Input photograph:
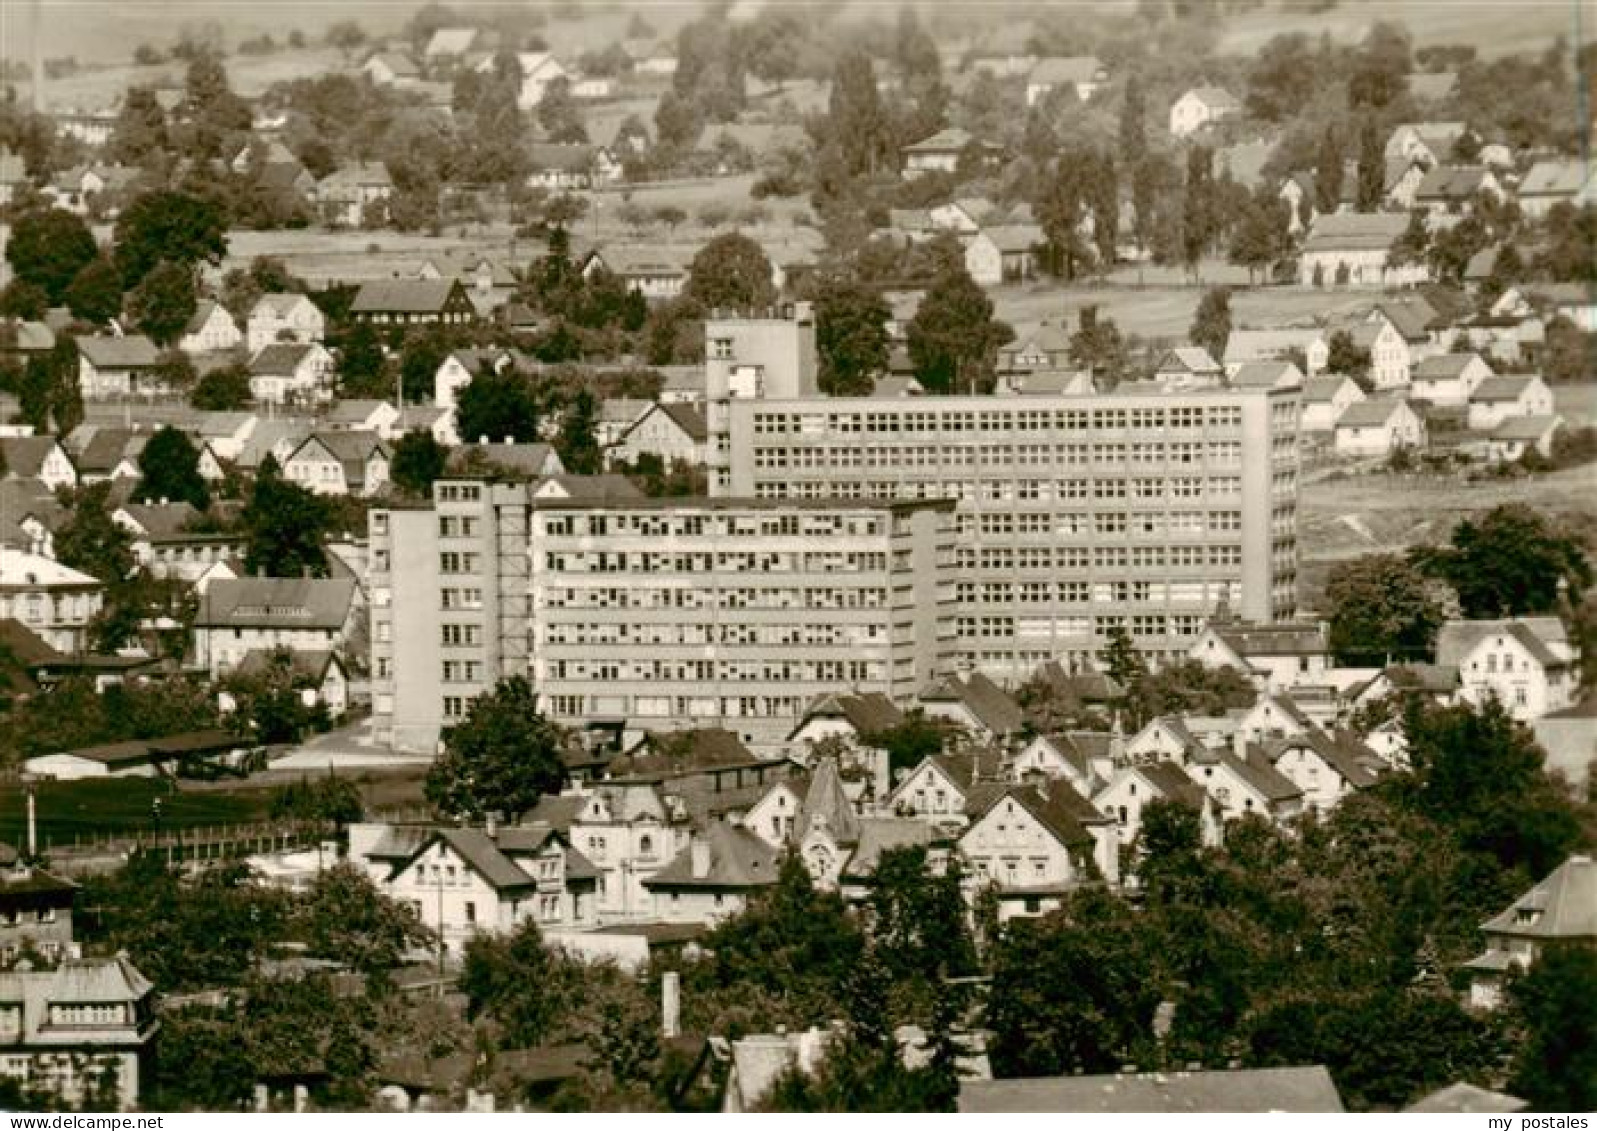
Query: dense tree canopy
(168, 226)
(284, 527)
(501, 758)
(850, 337)
(954, 338)
(1511, 562)
(1382, 610)
(47, 248)
(731, 273)
(170, 466)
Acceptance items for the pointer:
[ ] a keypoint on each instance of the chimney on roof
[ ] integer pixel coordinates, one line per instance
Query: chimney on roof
(483, 440)
(510, 440)
(699, 856)
(670, 1004)
(491, 824)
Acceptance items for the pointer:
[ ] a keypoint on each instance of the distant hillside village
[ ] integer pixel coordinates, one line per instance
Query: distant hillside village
(724, 521)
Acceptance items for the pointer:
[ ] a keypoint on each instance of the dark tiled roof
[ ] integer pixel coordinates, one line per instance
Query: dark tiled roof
(738, 860)
(403, 296)
(991, 706)
(276, 602)
(1563, 906)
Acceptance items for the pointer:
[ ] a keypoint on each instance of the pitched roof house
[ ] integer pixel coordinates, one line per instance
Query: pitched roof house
(291, 371)
(413, 302)
(1561, 908)
(209, 330)
(250, 613)
(340, 463)
(1082, 74)
(1527, 664)
(117, 366)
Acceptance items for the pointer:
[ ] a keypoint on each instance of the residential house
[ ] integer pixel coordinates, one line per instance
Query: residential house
(1164, 738)
(975, 703)
(1436, 684)
(400, 302)
(1003, 253)
(940, 790)
(944, 150)
(210, 330)
(35, 910)
(356, 195)
(439, 423)
(1084, 75)
(965, 217)
(340, 463)
(616, 415)
(535, 461)
(283, 318)
(489, 282)
(560, 168)
(1518, 436)
(254, 613)
(291, 372)
(86, 190)
(1043, 383)
(1449, 190)
(320, 677)
(1310, 342)
(651, 58)
(1378, 427)
(1354, 249)
(38, 457)
(362, 415)
(1243, 786)
(1188, 367)
(1047, 347)
(23, 339)
(1273, 715)
(1547, 184)
(1306, 1090)
(1267, 375)
(391, 68)
(117, 366)
(78, 1031)
(1325, 399)
(1132, 788)
(853, 718)
(714, 876)
(166, 547)
(1497, 399)
(1274, 656)
(1430, 143)
(52, 600)
(655, 273)
(674, 432)
(1201, 106)
(461, 365)
(538, 70)
(1391, 360)
(630, 828)
(1326, 767)
(1448, 379)
(1419, 322)
(1027, 845)
(465, 881)
(1560, 909)
(1527, 664)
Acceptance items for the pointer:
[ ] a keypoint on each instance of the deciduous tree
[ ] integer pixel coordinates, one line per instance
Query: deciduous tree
(170, 467)
(501, 758)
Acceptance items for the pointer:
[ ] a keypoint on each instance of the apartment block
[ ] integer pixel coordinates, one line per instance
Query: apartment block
(770, 356)
(1143, 508)
(655, 612)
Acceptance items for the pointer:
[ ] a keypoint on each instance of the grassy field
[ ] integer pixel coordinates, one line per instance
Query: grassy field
(1345, 518)
(1163, 305)
(323, 257)
(1496, 27)
(88, 809)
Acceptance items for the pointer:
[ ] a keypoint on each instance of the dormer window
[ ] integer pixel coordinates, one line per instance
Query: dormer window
(1526, 916)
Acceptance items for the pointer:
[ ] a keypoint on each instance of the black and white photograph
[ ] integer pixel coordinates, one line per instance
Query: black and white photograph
(757, 556)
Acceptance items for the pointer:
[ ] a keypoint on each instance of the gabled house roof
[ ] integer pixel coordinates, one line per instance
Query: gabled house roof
(281, 359)
(565, 158)
(352, 449)
(1526, 429)
(991, 705)
(1054, 803)
(1443, 366)
(133, 351)
(1501, 390)
(25, 455)
(826, 802)
(1322, 390)
(1173, 783)
(531, 460)
(1266, 375)
(870, 713)
(1554, 178)
(1358, 765)
(309, 667)
(1562, 906)
(277, 305)
(203, 311)
(687, 417)
(1286, 639)
(356, 175)
(1375, 412)
(277, 602)
(1354, 231)
(404, 296)
(160, 519)
(1451, 183)
(1189, 359)
(1013, 239)
(1539, 635)
(736, 860)
(1260, 775)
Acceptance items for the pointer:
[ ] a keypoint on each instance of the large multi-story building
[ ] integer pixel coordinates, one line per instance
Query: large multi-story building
(1142, 509)
(661, 612)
